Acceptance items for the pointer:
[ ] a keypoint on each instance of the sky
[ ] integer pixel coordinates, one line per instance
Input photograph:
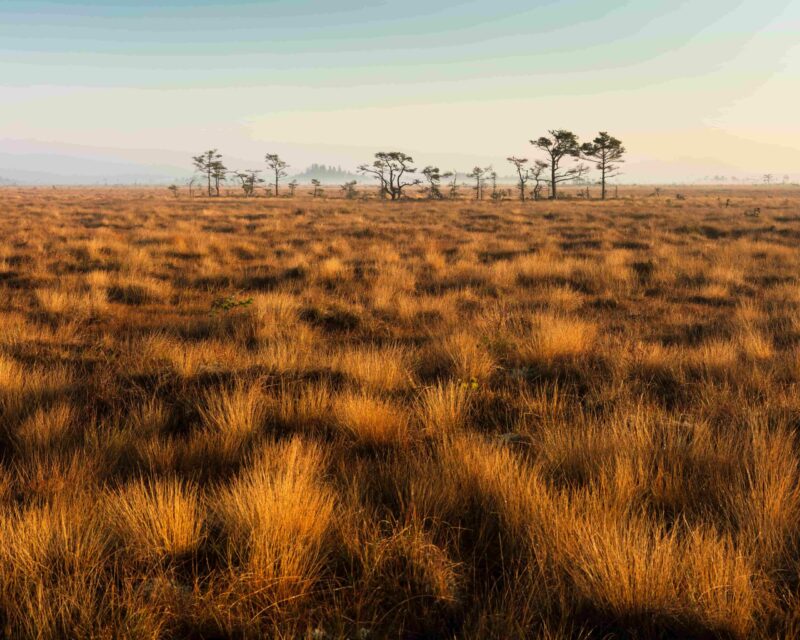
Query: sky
(105, 87)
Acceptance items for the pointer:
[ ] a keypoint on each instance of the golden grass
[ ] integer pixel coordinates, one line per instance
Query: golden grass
(46, 427)
(377, 368)
(553, 337)
(371, 420)
(158, 520)
(277, 515)
(445, 407)
(308, 418)
(236, 412)
(469, 359)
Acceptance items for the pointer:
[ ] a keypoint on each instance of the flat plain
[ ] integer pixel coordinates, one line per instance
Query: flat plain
(328, 418)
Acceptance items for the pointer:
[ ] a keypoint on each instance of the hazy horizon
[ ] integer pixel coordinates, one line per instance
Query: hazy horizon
(110, 89)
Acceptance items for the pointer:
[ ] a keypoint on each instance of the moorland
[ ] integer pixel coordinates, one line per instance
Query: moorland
(328, 418)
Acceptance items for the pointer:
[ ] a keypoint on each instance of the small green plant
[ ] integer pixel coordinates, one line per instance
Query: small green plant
(229, 303)
(472, 383)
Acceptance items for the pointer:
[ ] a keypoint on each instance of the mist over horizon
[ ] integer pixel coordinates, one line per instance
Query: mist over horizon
(40, 163)
(128, 92)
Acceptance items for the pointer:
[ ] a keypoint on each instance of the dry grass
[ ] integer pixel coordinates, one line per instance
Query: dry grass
(157, 521)
(307, 418)
(555, 337)
(372, 421)
(276, 518)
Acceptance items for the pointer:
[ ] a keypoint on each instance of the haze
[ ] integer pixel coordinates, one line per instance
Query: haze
(129, 90)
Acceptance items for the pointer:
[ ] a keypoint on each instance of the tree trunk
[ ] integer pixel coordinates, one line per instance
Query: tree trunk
(552, 181)
(603, 179)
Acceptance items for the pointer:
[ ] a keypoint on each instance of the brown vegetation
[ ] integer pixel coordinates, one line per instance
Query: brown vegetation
(302, 417)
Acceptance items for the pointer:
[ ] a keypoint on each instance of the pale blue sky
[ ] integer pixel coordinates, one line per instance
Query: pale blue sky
(692, 87)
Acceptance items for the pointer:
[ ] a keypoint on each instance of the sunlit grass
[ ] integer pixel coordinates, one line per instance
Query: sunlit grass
(331, 418)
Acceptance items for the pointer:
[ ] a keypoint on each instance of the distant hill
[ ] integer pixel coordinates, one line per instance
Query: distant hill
(327, 175)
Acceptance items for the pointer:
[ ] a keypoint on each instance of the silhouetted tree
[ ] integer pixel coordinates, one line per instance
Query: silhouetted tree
(317, 191)
(523, 174)
(349, 189)
(379, 170)
(249, 179)
(434, 177)
(767, 178)
(219, 173)
(493, 178)
(606, 152)
(173, 188)
(207, 163)
(479, 175)
(389, 168)
(292, 188)
(243, 178)
(500, 194)
(497, 194)
(276, 166)
(537, 173)
(560, 144)
(453, 189)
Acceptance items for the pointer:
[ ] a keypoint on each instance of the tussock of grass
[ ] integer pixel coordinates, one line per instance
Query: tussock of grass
(469, 357)
(555, 337)
(237, 412)
(382, 369)
(445, 408)
(306, 418)
(371, 420)
(156, 521)
(301, 407)
(232, 419)
(276, 517)
(46, 427)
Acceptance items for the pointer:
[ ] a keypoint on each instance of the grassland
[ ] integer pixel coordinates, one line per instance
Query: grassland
(322, 418)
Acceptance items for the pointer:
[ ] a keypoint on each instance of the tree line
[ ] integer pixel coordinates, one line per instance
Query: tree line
(562, 161)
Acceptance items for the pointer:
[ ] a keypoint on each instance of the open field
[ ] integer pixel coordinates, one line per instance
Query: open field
(324, 418)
